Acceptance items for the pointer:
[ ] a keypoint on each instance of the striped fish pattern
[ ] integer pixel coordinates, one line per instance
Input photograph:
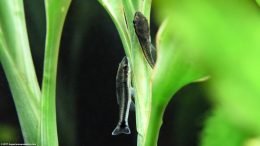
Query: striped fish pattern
(124, 91)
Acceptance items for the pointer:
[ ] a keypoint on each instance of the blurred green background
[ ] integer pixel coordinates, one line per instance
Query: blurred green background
(86, 103)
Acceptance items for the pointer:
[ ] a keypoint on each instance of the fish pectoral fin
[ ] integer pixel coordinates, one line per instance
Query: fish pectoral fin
(132, 93)
(153, 54)
(118, 100)
(121, 130)
(132, 106)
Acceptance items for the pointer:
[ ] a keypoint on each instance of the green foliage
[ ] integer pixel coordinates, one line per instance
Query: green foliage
(122, 13)
(154, 88)
(15, 57)
(224, 37)
(56, 13)
(8, 133)
(224, 132)
(36, 109)
(174, 69)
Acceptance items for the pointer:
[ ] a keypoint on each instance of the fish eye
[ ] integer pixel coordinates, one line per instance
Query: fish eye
(125, 67)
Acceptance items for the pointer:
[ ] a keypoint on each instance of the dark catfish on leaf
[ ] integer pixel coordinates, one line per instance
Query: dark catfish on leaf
(142, 31)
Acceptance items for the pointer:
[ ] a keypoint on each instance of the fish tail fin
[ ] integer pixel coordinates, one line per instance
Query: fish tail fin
(121, 130)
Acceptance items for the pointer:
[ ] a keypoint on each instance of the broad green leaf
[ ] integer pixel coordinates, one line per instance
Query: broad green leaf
(219, 131)
(258, 2)
(174, 69)
(253, 141)
(56, 11)
(224, 36)
(175, 66)
(15, 57)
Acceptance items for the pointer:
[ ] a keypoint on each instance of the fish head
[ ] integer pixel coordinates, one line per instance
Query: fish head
(124, 64)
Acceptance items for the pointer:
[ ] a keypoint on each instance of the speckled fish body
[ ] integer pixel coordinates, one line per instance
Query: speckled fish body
(123, 93)
(142, 31)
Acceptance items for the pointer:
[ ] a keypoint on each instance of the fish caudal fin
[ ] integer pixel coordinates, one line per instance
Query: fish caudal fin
(121, 130)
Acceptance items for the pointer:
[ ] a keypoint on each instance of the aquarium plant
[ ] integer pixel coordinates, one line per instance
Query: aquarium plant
(196, 40)
(35, 104)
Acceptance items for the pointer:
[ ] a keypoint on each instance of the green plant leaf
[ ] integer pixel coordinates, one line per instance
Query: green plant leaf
(219, 131)
(224, 36)
(174, 69)
(56, 11)
(15, 57)
(122, 13)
